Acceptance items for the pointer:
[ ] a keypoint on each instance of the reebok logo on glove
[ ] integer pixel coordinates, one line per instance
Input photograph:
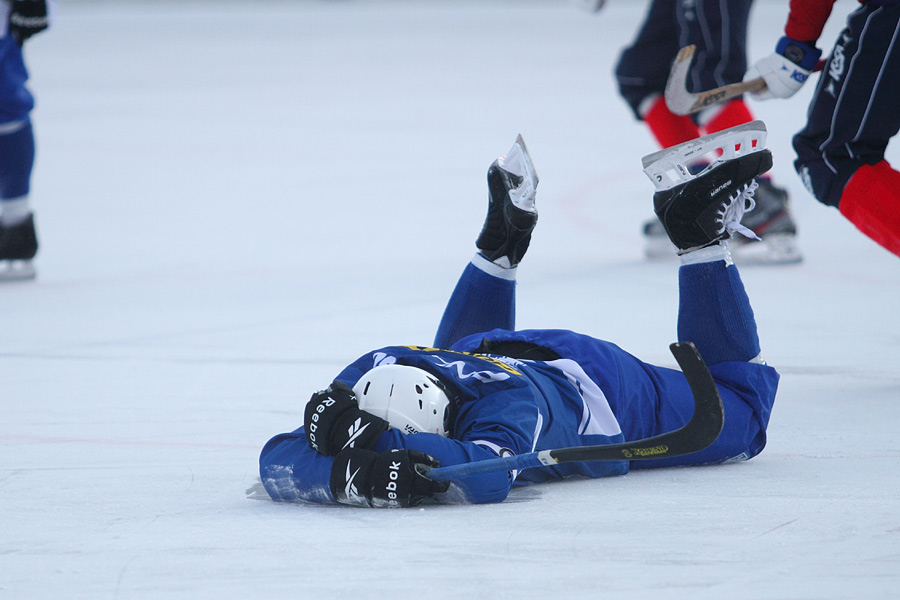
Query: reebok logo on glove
(354, 432)
(391, 488)
(314, 422)
(350, 490)
(333, 421)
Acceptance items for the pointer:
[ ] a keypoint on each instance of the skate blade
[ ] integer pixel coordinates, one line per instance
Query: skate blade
(669, 167)
(518, 162)
(17, 270)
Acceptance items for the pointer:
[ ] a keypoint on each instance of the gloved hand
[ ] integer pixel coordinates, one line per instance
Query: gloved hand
(334, 421)
(26, 18)
(392, 479)
(785, 70)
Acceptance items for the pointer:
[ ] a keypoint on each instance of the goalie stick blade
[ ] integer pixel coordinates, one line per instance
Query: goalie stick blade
(669, 167)
(702, 430)
(682, 102)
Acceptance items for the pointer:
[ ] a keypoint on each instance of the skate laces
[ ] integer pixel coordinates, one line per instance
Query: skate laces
(732, 211)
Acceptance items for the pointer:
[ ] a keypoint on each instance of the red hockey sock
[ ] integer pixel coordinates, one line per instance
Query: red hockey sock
(731, 114)
(668, 128)
(871, 201)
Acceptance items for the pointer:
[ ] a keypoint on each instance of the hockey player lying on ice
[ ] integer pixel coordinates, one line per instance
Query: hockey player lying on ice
(486, 390)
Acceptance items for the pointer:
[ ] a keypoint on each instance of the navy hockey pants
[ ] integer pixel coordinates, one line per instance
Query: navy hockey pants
(718, 30)
(855, 110)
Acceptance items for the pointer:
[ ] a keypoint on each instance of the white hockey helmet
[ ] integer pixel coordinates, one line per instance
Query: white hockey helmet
(409, 398)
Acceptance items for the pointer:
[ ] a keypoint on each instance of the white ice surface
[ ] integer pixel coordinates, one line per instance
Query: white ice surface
(235, 199)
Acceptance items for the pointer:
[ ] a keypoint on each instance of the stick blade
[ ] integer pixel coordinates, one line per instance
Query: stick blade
(682, 102)
(708, 408)
(678, 99)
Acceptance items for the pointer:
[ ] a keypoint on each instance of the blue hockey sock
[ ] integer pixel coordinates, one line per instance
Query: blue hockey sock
(480, 302)
(714, 312)
(16, 161)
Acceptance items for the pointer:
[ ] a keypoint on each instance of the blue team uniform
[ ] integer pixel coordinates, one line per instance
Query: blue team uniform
(16, 104)
(555, 388)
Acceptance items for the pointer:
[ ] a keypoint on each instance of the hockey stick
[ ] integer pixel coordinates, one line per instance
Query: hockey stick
(701, 431)
(682, 102)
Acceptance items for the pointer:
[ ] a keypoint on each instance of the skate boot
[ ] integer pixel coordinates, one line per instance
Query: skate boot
(512, 214)
(18, 245)
(770, 221)
(702, 209)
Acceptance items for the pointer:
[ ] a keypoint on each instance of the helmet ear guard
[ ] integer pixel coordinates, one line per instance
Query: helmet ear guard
(409, 398)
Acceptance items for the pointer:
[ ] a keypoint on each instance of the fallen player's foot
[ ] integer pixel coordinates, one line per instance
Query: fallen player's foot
(512, 215)
(771, 221)
(697, 210)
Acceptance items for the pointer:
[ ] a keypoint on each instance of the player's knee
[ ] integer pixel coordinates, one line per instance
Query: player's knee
(824, 176)
(632, 84)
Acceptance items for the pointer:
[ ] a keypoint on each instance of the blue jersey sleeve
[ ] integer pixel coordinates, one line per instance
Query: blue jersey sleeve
(291, 471)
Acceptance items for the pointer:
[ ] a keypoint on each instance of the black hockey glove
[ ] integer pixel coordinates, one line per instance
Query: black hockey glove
(334, 421)
(392, 479)
(26, 18)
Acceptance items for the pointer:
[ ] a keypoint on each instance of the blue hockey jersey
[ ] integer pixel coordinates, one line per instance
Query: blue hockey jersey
(594, 393)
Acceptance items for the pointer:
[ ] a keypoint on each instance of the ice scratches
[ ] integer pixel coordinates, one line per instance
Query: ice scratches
(455, 495)
(279, 484)
(257, 491)
(777, 527)
(526, 493)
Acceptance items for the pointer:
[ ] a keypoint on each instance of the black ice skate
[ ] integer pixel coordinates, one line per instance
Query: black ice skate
(699, 210)
(18, 245)
(771, 221)
(512, 214)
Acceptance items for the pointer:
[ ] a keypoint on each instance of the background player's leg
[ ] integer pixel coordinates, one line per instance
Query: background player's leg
(18, 241)
(852, 117)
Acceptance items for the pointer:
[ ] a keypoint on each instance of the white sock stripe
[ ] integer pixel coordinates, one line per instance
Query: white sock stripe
(14, 210)
(493, 269)
(11, 127)
(706, 255)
